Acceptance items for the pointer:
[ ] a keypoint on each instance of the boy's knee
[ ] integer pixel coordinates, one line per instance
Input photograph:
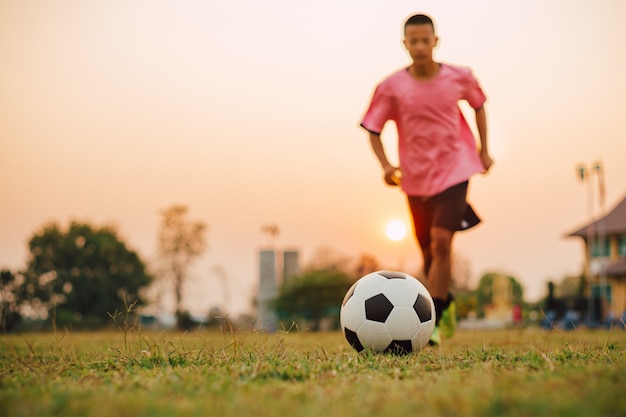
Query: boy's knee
(440, 248)
(441, 245)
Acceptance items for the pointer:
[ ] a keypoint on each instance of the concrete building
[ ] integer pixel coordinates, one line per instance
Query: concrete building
(267, 289)
(275, 269)
(291, 265)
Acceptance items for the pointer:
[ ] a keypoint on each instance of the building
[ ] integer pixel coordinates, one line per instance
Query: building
(605, 261)
(275, 269)
(291, 265)
(268, 289)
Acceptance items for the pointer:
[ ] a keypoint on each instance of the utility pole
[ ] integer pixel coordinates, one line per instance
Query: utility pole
(602, 236)
(586, 176)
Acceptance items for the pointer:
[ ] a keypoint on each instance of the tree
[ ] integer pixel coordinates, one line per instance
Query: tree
(326, 257)
(484, 294)
(366, 264)
(461, 273)
(181, 241)
(313, 295)
(83, 273)
(11, 297)
(569, 293)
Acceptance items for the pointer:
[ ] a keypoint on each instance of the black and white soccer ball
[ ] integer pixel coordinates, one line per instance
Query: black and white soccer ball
(388, 311)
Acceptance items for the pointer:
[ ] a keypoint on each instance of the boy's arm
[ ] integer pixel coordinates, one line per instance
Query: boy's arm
(481, 125)
(391, 172)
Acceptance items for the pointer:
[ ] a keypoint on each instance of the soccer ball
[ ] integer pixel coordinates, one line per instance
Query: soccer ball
(387, 311)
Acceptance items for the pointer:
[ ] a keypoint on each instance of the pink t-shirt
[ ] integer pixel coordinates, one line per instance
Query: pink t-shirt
(436, 147)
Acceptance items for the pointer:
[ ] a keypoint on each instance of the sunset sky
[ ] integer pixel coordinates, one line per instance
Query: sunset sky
(248, 111)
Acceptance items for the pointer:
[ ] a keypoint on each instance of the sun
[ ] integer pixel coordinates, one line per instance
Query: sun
(396, 230)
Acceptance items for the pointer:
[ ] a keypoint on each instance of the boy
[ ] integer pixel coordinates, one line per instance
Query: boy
(437, 153)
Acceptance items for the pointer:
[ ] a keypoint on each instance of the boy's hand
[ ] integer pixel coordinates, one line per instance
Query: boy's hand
(393, 176)
(486, 160)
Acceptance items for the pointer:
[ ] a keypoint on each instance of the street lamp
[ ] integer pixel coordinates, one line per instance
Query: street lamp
(604, 296)
(586, 175)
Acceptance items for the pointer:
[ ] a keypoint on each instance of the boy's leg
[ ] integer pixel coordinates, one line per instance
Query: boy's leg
(440, 281)
(421, 216)
(449, 211)
(439, 277)
(435, 220)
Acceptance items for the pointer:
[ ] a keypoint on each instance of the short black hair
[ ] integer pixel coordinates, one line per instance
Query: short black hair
(419, 19)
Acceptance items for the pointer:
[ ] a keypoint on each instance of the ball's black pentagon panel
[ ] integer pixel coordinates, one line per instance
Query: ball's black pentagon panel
(422, 308)
(378, 308)
(392, 275)
(400, 347)
(353, 340)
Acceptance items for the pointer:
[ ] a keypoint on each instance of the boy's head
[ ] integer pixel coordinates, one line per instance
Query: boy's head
(420, 38)
(419, 19)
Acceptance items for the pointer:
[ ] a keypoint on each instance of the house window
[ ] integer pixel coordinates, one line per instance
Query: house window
(601, 247)
(603, 291)
(621, 245)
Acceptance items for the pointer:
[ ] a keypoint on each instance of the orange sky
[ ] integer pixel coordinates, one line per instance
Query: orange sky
(248, 112)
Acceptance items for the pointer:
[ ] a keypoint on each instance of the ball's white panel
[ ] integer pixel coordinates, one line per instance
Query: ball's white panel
(417, 284)
(423, 335)
(352, 314)
(402, 323)
(401, 292)
(374, 336)
(370, 285)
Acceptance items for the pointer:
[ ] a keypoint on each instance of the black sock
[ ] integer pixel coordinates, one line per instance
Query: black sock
(440, 306)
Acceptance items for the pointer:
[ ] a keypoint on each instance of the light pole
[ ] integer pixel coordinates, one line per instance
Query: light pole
(604, 296)
(586, 175)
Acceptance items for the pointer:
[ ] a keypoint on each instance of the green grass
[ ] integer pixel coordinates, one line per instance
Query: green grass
(477, 373)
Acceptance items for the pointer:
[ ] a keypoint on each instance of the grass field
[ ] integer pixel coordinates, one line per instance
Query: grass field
(516, 372)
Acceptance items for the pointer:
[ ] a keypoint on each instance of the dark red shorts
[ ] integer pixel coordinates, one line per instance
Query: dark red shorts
(448, 209)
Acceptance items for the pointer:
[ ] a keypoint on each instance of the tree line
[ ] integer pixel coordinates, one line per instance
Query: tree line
(314, 297)
(83, 275)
